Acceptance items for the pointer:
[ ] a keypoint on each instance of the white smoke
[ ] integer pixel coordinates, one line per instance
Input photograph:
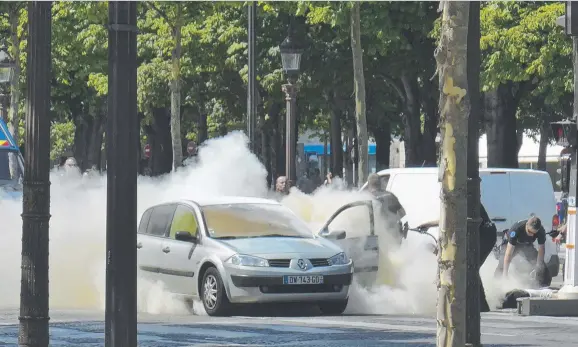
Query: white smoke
(224, 166)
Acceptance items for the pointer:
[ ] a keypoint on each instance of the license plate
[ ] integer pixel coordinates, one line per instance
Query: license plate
(302, 279)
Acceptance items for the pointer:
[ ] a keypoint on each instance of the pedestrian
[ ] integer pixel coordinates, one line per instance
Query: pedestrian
(520, 240)
(305, 184)
(316, 179)
(282, 186)
(328, 179)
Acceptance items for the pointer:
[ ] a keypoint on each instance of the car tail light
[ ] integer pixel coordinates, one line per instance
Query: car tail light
(555, 221)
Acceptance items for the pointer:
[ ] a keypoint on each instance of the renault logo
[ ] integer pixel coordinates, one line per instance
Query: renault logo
(302, 264)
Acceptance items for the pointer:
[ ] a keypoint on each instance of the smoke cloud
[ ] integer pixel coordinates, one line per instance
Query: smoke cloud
(224, 166)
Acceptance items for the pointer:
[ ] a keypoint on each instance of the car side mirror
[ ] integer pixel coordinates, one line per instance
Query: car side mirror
(334, 235)
(185, 236)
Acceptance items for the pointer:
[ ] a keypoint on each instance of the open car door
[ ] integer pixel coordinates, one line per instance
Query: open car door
(361, 245)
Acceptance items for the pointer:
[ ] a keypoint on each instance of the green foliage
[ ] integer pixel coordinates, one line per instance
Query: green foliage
(520, 42)
(61, 138)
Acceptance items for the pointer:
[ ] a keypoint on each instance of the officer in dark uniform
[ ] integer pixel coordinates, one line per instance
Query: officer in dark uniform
(520, 240)
(390, 205)
(488, 234)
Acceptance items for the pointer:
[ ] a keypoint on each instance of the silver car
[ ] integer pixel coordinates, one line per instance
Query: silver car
(233, 250)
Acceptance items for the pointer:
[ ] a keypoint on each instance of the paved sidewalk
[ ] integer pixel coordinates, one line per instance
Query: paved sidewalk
(500, 329)
(157, 335)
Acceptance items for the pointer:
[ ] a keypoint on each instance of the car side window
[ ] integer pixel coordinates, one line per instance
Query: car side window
(144, 221)
(159, 220)
(184, 220)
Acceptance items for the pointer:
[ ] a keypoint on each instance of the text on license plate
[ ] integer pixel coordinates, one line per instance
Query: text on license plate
(303, 279)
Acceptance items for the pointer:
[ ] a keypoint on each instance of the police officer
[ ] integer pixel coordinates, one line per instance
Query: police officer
(488, 234)
(390, 205)
(520, 239)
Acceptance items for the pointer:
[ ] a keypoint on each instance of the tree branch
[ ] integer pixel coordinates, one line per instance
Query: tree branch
(160, 12)
(390, 82)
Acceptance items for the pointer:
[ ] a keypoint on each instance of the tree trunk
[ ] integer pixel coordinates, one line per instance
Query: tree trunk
(15, 80)
(543, 148)
(347, 160)
(454, 107)
(203, 133)
(430, 129)
(176, 92)
(500, 116)
(336, 144)
(14, 125)
(382, 147)
(359, 82)
(159, 135)
(412, 120)
(88, 137)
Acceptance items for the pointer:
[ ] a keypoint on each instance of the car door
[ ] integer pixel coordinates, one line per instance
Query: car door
(360, 245)
(180, 261)
(152, 232)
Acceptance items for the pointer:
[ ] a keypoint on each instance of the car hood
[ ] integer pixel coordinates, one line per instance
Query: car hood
(276, 246)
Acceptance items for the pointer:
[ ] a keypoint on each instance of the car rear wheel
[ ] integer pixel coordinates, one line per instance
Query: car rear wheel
(333, 307)
(213, 294)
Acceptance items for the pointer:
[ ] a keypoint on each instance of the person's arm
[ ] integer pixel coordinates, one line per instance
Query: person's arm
(541, 251)
(508, 257)
(541, 247)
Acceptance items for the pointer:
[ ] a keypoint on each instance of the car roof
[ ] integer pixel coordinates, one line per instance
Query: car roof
(436, 170)
(229, 200)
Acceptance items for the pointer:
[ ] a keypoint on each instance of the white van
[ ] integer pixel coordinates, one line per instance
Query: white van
(509, 195)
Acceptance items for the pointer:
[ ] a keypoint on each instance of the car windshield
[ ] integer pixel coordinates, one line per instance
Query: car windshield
(234, 221)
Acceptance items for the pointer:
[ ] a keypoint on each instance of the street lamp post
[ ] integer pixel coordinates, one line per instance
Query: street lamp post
(122, 148)
(291, 60)
(34, 317)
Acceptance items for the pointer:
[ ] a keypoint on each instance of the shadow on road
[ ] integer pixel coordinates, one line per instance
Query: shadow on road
(277, 310)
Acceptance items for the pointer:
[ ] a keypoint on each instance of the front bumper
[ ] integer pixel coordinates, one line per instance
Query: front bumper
(265, 285)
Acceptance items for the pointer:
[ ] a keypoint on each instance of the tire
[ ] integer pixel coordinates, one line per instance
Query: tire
(333, 308)
(213, 294)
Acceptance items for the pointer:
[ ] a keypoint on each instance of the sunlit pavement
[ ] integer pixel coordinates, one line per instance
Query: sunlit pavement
(80, 328)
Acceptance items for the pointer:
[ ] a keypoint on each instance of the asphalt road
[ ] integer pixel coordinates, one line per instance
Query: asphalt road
(82, 328)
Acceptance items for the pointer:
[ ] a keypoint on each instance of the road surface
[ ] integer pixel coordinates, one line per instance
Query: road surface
(81, 328)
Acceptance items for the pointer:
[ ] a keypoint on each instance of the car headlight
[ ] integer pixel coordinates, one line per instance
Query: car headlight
(339, 259)
(247, 260)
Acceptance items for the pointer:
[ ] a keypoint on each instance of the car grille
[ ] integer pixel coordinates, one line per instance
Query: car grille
(302, 288)
(279, 262)
(319, 262)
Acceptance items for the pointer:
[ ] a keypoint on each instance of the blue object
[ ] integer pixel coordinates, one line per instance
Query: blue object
(6, 140)
(319, 148)
(512, 234)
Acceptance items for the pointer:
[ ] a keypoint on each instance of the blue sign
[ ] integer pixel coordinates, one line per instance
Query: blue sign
(6, 139)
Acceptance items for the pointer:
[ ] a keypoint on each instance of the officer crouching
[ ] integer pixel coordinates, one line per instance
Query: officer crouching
(520, 240)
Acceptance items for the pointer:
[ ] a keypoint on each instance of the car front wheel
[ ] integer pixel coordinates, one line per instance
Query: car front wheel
(332, 308)
(213, 294)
